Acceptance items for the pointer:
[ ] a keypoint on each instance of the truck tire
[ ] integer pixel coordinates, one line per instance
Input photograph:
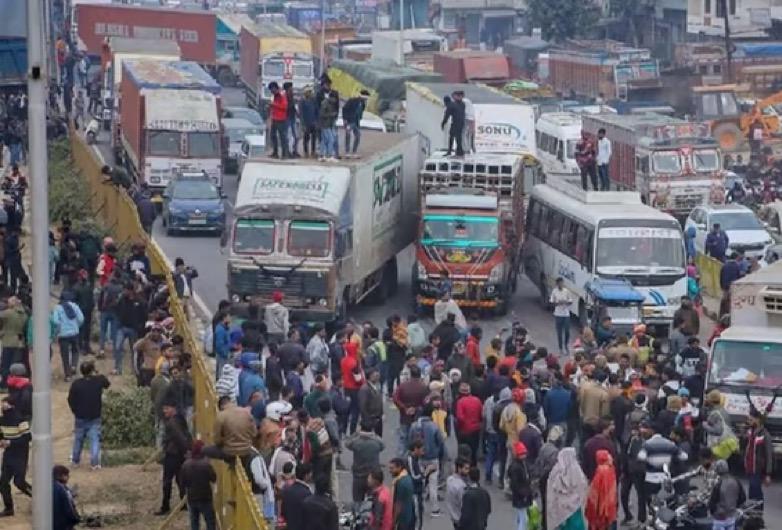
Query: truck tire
(728, 136)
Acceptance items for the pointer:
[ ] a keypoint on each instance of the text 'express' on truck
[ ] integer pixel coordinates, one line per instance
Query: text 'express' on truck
(675, 165)
(470, 231)
(326, 235)
(273, 52)
(170, 121)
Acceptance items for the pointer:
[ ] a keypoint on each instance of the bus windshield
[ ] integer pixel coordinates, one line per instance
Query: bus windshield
(667, 162)
(254, 236)
(745, 362)
(460, 231)
(640, 249)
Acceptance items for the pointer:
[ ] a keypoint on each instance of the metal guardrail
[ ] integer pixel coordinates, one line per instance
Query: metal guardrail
(709, 270)
(235, 505)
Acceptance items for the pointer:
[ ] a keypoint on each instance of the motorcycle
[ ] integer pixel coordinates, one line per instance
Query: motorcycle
(92, 131)
(357, 517)
(689, 511)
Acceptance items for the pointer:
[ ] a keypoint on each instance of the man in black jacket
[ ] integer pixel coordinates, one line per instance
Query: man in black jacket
(319, 510)
(85, 399)
(456, 111)
(176, 443)
(352, 112)
(294, 496)
(197, 478)
(476, 503)
(15, 438)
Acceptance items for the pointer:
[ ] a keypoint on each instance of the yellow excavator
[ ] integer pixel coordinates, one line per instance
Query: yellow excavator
(730, 120)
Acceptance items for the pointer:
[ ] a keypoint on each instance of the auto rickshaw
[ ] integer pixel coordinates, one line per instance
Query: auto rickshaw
(617, 299)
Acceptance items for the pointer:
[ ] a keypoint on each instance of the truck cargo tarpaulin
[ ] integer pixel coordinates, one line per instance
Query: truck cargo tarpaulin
(164, 111)
(501, 128)
(194, 31)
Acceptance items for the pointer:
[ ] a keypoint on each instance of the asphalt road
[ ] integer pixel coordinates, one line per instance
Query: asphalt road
(204, 254)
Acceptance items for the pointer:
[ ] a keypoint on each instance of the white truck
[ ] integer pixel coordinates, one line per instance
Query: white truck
(325, 234)
(748, 355)
(496, 122)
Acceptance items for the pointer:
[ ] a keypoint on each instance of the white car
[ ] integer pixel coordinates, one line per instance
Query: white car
(744, 230)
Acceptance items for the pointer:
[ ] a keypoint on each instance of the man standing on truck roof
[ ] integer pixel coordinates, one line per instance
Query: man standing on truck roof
(585, 158)
(456, 111)
(603, 159)
(352, 112)
(279, 119)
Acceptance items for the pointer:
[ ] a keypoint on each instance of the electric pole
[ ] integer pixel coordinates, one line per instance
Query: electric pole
(728, 43)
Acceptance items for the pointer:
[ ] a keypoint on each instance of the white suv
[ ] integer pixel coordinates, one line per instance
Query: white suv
(744, 230)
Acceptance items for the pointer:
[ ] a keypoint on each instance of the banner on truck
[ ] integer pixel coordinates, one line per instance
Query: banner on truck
(504, 128)
(387, 196)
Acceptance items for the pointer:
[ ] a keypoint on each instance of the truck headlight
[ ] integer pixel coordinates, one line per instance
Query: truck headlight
(420, 271)
(674, 301)
(496, 274)
(323, 302)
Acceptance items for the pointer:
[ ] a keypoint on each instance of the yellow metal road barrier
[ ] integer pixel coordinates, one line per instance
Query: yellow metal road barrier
(709, 269)
(235, 505)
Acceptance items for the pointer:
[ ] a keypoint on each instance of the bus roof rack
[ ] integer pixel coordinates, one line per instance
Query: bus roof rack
(570, 185)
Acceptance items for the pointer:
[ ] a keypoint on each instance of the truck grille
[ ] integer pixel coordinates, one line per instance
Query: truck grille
(687, 202)
(295, 286)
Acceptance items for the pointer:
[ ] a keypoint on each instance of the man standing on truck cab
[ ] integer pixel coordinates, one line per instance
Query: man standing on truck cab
(352, 112)
(291, 98)
(456, 111)
(603, 159)
(279, 118)
(585, 158)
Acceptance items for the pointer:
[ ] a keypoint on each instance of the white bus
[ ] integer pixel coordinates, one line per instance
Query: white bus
(556, 136)
(580, 235)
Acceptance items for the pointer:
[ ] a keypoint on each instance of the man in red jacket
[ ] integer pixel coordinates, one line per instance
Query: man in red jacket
(474, 346)
(352, 379)
(279, 117)
(469, 412)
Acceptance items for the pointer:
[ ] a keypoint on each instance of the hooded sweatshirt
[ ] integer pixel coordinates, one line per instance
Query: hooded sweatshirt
(276, 318)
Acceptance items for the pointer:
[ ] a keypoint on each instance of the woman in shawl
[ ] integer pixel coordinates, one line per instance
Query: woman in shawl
(566, 492)
(601, 506)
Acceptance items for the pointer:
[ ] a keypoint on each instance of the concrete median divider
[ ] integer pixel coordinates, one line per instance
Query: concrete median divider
(234, 502)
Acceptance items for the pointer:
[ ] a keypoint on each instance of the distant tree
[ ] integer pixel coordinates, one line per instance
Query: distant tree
(627, 12)
(560, 20)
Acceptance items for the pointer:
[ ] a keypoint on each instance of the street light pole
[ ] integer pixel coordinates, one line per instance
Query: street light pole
(401, 32)
(37, 75)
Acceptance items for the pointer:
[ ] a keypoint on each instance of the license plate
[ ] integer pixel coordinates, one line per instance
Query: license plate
(197, 221)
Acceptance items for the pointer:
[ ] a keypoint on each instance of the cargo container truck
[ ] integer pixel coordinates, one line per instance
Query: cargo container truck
(465, 66)
(324, 234)
(169, 122)
(675, 165)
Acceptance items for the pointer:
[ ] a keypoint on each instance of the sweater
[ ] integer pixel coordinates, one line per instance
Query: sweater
(366, 448)
(197, 476)
(85, 397)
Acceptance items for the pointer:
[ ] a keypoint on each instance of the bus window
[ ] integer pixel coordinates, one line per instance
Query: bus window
(560, 151)
(556, 220)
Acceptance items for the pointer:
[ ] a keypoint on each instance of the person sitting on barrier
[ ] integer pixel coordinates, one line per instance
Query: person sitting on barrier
(234, 431)
(116, 176)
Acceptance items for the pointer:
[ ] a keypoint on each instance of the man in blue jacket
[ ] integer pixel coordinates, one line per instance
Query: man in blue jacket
(308, 113)
(250, 379)
(731, 271)
(222, 343)
(429, 433)
(717, 243)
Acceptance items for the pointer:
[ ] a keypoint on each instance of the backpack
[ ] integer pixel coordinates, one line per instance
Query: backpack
(496, 415)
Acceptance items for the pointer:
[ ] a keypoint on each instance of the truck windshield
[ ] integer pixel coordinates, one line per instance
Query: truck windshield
(254, 236)
(745, 362)
(302, 69)
(163, 143)
(460, 231)
(309, 238)
(667, 162)
(203, 145)
(640, 249)
(273, 68)
(706, 160)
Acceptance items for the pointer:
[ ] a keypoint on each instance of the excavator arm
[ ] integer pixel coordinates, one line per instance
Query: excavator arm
(770, 122)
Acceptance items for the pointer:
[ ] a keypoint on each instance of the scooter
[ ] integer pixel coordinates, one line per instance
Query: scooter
(92, 131)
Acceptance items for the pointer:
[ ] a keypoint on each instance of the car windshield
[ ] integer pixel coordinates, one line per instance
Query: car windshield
(237, 135)
(464, 231)
(254, 236)
(309, 238)
(667, 162)
(164, 143)
(195, 190)
(742, 362)
(203, 144)
(640, 247)
(736, 221)
(706, 160)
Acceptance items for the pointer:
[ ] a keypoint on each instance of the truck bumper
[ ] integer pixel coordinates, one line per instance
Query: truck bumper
(477, 294)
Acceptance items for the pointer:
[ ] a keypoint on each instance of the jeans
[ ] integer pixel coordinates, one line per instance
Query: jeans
(605, 182)
(69, 353)
(172, 467)
(122, 334)
(327, 142)
(431, 481)
(355, 130)
(404, 434)
(591, 171)
(521, 519)
(294, 140)
(203, 509)
(563, 332)
(310, 139)
(16, 153)
(86, 330)
(354, 410)
(493, 441)
(81, 430)
(755, 492)
(471, 440)
(280, 136)
(630, 480)
(455, 136)
(14, 469)
(727, 524)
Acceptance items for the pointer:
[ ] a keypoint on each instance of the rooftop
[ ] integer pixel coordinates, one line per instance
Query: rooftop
(171, 74)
